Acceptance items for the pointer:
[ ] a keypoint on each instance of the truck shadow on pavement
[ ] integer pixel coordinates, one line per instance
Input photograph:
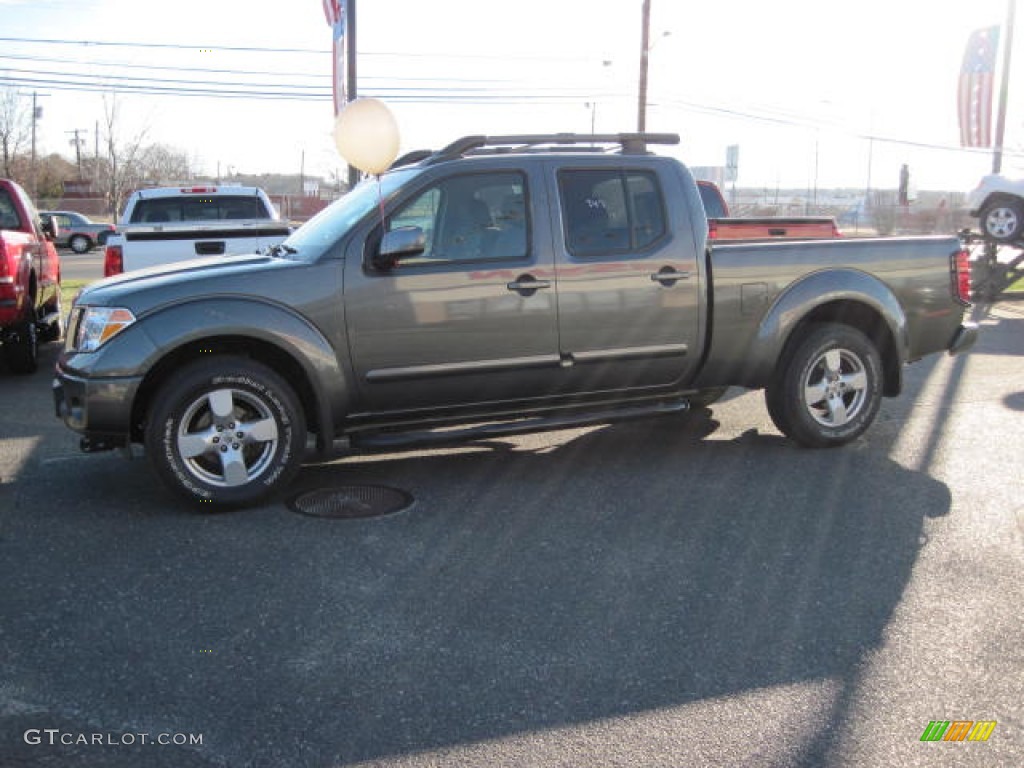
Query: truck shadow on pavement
(535, 585)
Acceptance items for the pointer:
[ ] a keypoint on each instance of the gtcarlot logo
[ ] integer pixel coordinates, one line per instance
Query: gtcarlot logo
(55, 736)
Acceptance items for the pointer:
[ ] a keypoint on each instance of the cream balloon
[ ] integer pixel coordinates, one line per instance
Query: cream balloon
(367, 135)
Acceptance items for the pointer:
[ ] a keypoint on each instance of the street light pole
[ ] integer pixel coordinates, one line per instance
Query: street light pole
(645, 37)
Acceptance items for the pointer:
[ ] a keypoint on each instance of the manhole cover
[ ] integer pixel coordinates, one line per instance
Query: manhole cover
(351, 501)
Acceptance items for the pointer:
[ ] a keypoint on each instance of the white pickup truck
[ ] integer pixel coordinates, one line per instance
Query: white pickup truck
(162, 225)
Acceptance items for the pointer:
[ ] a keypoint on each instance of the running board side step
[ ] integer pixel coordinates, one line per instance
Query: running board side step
(388, 440)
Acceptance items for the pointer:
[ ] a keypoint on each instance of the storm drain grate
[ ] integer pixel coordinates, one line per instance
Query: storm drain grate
(351, 501)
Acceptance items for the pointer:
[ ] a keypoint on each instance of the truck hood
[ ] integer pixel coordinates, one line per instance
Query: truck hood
(143, 289)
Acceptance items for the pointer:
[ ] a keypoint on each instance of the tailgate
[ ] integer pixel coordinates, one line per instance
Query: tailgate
(152, 246)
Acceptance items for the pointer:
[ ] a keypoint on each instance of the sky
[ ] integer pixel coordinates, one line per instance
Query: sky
(814, 93)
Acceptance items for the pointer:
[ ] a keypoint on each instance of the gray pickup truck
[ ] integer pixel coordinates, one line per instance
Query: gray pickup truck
(500, 285)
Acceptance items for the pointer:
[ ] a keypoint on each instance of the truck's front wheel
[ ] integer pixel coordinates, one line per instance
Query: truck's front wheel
(226, 432)
(828, 388)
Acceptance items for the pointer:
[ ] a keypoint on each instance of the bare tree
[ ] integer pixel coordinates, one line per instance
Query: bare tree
(163, 164)
(15, 128)
(124, 167)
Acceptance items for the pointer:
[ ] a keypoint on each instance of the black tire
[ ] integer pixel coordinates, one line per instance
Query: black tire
(226, 432)
(1002, 220)
(21, 348)
(828, 388)
(80, 244)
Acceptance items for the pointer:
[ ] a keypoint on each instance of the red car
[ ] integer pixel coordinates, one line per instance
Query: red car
(29, 280)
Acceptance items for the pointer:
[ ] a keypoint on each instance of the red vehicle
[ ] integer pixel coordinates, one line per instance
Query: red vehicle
(29, 280)
(722, 226)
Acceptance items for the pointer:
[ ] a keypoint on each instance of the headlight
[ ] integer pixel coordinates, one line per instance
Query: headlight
(95, 326)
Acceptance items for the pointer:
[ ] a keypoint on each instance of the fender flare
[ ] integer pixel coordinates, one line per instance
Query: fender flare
(187, 326)
(814, 293)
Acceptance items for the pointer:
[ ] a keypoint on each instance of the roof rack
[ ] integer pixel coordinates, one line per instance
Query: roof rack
(629, 144)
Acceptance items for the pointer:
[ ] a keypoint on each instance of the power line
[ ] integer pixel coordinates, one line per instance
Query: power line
(316, 51)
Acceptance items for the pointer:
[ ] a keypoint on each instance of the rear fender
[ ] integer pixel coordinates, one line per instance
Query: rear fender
(838, 295)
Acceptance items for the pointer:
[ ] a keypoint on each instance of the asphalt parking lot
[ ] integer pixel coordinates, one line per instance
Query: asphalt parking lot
(677, 592)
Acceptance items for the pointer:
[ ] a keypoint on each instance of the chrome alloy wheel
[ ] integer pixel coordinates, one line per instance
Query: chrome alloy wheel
(835, 388)
(1002, 222)
(227, 437)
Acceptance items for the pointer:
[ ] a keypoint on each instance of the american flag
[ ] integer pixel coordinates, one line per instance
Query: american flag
(977, 80)
(334, 12)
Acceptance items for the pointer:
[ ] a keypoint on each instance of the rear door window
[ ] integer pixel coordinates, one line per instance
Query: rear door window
(613, 211)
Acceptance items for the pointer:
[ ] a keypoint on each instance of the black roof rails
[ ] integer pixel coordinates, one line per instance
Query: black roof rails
(410, 158)
(630, 143)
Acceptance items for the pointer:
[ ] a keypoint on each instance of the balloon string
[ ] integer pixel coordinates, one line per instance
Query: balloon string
(380, 203)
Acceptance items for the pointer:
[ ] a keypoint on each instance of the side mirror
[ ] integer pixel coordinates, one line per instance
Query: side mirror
(50, 228)
(399, 244)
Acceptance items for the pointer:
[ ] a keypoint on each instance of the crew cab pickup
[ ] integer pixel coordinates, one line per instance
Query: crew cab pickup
(490, 288)
(168, 224)
(723, 226)
(29, 280)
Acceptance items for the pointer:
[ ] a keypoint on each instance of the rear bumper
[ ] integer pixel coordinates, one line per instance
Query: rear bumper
(963, 339)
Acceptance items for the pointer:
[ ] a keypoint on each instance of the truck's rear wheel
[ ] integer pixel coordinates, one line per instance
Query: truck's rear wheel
(828, 388)
(21, 348)
(226, 432)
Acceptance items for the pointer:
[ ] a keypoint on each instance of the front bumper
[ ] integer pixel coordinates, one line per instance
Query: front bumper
(963, 339)
(97, 408)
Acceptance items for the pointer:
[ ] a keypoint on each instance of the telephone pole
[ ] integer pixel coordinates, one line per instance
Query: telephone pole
(645, 39)
(78, 147)
(35, 116)
(1004, 88)
(350, 71)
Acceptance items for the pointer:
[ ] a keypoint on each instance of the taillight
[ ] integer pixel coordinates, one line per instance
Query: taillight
(7, 290)
(712, 229)
(836, 232)
(961, 273)
(113, 261)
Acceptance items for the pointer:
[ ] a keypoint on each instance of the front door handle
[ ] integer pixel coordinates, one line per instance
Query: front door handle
(527, 285)
(668, 276)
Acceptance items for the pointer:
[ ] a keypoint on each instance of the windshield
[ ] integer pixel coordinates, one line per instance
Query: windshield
(317, 235)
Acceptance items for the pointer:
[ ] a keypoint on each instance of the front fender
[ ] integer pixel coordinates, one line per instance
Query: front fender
(192, 328)
(813, 294)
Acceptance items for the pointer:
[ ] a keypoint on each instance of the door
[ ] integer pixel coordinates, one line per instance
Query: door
(628, 280)
(472, 318)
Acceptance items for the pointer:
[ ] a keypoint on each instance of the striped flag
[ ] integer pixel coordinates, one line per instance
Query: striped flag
(334, 12)
(977, 82)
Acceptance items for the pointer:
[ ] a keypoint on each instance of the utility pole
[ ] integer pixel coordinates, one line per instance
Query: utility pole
(35, 116)
(1004, 88)
(645, 37)
(78, 147)
(350, 71)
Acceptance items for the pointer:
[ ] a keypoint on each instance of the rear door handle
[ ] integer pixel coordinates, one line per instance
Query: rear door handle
(527, 285)
(668, 276)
